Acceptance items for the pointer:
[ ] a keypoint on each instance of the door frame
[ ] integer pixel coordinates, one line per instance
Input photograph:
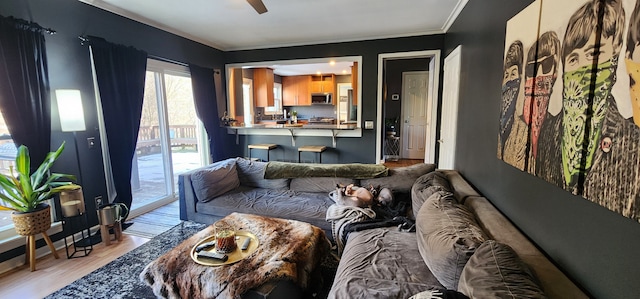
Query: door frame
(432, 98)
(450, 100)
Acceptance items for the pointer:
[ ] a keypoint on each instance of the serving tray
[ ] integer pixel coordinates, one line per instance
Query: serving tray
(234, 256)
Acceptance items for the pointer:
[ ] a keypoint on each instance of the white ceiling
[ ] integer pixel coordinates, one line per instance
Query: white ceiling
(234, 25)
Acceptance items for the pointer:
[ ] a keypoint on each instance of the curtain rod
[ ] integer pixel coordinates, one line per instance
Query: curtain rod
(85, 39)
(174, 61)
(29, 25)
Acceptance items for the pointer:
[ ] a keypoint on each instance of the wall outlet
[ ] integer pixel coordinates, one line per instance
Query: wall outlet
(98, 200)
(91, 142)
(368, 124)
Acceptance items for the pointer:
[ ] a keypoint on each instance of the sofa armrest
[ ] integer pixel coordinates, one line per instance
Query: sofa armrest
(461, 188)
(186, 196)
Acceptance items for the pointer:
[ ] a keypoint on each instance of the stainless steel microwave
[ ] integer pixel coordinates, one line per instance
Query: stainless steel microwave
(322, 98)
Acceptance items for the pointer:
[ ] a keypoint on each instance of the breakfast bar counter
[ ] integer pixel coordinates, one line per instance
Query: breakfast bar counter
(294, 130)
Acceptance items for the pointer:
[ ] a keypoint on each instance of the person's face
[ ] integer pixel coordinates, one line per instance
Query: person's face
(585, 55)
(510, 73)
(542, 66)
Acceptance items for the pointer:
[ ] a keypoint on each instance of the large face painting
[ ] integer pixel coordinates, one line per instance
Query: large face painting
(570, 107)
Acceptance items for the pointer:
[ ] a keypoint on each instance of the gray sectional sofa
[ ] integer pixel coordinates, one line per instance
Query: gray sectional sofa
(212, 192)
(462, 242)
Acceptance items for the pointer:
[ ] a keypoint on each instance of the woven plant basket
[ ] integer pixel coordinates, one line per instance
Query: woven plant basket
(32, 223)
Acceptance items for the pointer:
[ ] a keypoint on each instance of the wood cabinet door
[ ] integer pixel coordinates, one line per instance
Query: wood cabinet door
(304, 95)
(263, 87)
(289, 91)
(354, 82)
(315, 86)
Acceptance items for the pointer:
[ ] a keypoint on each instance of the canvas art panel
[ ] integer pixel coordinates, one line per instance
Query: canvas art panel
(579, 125)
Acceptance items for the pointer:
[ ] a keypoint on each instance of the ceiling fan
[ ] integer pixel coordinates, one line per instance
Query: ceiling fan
(258, 6)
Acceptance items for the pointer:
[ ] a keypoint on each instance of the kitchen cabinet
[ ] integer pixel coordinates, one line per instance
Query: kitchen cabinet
(323, 84)
(354, 82)
(263, 87)
(295, 91)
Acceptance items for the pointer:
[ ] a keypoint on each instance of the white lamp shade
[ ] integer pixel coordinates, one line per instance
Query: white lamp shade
(70, 109)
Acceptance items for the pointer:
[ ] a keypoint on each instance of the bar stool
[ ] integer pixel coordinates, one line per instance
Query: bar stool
(312, 148)
(263, 146)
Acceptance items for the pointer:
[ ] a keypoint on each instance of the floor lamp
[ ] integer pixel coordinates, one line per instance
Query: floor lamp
(72, 120)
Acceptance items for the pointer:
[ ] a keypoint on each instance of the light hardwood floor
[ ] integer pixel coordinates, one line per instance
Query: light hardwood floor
(52, 274)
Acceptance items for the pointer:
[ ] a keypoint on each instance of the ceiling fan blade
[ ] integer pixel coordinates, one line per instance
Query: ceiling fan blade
(258, 6)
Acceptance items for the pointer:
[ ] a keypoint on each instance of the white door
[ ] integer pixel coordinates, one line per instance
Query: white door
(415, 120)
(450, 94)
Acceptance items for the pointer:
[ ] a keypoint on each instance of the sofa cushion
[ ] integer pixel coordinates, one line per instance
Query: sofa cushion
(213, 181)
(251, 173)
(425, 186)
(319, 184)
(400, 179)
(381, 263)
(496, 271)
(447, 235)
(279, 203)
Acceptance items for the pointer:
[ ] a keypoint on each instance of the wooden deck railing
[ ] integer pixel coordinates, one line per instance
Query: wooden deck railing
(149, 137)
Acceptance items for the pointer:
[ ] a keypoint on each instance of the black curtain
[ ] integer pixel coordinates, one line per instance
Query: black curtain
(120, 73)
(24, 86)
(204, 96)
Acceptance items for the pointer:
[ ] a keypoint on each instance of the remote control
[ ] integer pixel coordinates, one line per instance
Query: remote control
(245, 245)
(213, 255)
(205, 245)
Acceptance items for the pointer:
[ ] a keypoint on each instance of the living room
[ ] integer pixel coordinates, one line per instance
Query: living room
(593, 245)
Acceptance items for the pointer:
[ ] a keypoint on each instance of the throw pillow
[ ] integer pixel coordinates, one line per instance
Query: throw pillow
(425, 186)
(251, 173)
(400, 179)
(496, 271)
(319, 184)
(448, 235)
(211, 182)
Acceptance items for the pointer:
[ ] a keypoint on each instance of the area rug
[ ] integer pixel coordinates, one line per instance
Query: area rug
(120, 278)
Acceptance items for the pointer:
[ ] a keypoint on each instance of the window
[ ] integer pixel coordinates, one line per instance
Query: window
(277, 100)
(247, 100)
(8, 153)
(171, 139)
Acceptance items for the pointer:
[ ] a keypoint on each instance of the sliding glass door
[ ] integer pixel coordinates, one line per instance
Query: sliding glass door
(171, 138)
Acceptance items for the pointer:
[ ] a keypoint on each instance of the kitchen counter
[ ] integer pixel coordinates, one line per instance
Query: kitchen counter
(297, 126)
(294, 130)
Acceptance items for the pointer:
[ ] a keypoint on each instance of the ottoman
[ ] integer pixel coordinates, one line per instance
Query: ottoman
(282, 265)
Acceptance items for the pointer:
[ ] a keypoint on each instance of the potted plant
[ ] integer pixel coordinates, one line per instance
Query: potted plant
(26, 193)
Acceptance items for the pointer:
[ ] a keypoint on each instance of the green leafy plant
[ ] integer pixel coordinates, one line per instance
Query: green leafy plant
(24, 192)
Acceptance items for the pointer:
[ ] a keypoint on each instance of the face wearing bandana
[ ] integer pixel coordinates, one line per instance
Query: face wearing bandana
(633, 68)
(538, 91)
(509, 95)
(576, 145)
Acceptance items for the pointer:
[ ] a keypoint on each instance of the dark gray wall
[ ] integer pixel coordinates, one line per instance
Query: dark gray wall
(594, 246)
(348, 149)
(70, 67)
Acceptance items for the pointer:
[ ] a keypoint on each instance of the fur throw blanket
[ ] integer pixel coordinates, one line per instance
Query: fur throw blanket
(288, 249)
(340, 216)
